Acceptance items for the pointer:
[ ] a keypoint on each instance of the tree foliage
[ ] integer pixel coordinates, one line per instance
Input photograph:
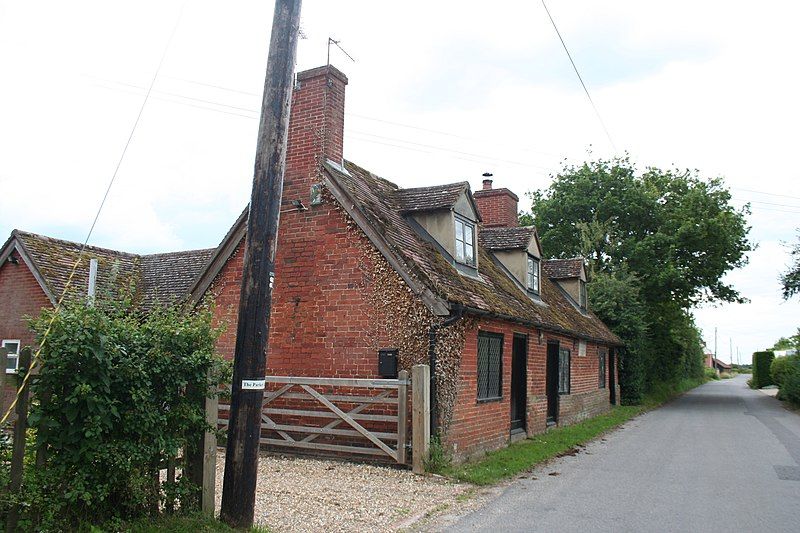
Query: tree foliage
(120, 395)
(791, 278)
(787, 343)
(677, 232)
(659, 242)
(616, 299)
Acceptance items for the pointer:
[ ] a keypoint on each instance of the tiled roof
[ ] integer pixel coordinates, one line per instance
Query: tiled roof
(720, 363)
(428, 198)
(563, 268)
(54, 259)
(494, 292)
(506, 238)
(154, 278)
(167, 277)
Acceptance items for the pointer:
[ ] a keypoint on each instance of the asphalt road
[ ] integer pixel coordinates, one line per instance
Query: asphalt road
(720, 458)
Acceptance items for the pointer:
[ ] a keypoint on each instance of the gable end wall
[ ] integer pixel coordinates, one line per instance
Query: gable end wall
(20, 296)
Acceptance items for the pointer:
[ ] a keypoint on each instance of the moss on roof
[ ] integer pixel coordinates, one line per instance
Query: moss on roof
(494, 292)
(152, 278)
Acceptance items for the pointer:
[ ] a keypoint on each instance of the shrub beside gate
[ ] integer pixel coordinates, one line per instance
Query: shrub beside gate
(116, 399)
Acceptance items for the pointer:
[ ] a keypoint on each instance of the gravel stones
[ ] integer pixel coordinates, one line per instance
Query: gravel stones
(299, 494)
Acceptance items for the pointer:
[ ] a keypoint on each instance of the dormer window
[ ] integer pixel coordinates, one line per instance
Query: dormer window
(465, 242)
(533, 274)
(583, 299)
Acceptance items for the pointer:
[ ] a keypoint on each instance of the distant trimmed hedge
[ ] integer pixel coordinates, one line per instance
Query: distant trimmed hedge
(761, 366)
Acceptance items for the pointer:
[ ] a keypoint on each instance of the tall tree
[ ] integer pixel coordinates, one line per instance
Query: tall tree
(676, 232)
(659, 242)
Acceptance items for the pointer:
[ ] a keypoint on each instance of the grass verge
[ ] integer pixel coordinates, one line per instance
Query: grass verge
(524, 455)
(194, 523)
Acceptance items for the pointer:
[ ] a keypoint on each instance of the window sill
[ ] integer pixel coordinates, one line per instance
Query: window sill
(10, 371)
(490, 400)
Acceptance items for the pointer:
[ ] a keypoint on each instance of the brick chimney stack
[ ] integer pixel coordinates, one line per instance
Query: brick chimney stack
(316, 130)
(498, 207)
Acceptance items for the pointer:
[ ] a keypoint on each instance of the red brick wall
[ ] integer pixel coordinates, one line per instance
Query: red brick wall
(21, 296)
(498, 207)
(322, 313)
(478, 426)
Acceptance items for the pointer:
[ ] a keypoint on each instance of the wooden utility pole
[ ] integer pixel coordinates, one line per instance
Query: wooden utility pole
(252, 334)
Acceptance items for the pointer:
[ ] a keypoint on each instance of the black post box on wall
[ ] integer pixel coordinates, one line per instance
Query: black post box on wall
(387, 363)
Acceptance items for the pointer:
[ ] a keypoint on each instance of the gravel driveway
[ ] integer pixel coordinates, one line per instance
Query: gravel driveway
(296, 494)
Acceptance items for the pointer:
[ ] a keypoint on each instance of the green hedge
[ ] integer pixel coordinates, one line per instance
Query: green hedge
(790, 389)
(761, 366)
(781, 367)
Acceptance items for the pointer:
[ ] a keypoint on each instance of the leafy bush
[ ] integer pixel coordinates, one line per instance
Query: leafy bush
(710, 373)
(761, 365)
(790, 390)
(124, 393)
(780, 368)
(725, 375)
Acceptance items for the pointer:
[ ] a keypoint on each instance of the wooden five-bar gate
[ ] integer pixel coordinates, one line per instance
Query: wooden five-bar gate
(345, 416)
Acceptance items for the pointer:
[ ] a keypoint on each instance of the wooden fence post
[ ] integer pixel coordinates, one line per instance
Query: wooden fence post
(4, 363)
(420, 420)
(21, 424)
(402, 416)
(207, 498)
(201, 463)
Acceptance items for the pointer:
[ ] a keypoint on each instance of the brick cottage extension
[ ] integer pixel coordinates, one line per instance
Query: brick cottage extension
(435, 275)
(34, 271)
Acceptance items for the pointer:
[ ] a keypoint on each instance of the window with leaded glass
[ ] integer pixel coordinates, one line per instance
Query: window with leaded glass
(465, 242)
(563, 370)
(490, 366)
(533, 274)
(602, 354)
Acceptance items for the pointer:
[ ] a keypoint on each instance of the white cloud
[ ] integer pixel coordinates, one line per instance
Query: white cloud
(705, 85)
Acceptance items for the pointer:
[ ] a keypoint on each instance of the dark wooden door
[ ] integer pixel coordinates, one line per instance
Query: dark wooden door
(519, 381)
(612, 375)
(552, 382)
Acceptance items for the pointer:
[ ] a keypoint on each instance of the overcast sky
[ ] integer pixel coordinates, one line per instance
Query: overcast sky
(440, 91)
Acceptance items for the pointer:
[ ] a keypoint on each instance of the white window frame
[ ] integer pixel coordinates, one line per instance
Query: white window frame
(14, 355)
(581, 348)
(534, 278)
(461, 245)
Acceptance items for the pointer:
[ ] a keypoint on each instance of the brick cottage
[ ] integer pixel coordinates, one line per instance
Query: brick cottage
(437, 275)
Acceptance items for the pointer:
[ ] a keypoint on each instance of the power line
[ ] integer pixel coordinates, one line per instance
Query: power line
(600, 118)
(91, 228)
(347, 113)
(449, 150)
(766, 193)
(385, 121)
(765, 203)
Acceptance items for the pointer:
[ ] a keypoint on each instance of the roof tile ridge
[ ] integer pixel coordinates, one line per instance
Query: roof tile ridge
(74, 243)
